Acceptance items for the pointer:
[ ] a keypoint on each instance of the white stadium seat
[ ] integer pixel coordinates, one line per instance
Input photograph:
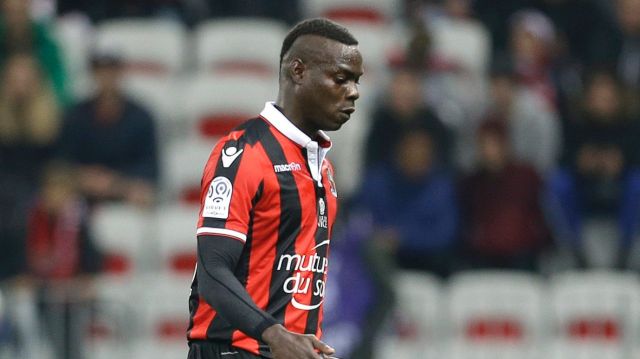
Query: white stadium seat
(183, 164)
(419, 300)
(214, 105)
(121, 231)
(595, 312)
(378, 44)
(164, 317)
(366, 11)
(242, 45)
(560, 349)
(495, 314)
(175, 232)
(149, 46)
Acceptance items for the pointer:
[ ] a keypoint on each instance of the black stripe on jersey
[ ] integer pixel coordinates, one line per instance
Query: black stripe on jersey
(250, 136)
(322, 234)
(290, 222)
(242, 268)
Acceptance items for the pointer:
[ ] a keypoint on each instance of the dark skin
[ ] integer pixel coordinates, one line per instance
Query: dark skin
(319, 83)
(318, 89)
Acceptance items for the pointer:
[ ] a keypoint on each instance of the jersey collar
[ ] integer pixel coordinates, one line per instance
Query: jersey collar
(316, 150)
(284, 125)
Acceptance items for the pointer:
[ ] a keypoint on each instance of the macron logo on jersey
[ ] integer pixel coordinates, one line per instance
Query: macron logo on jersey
(293, 166)
(229, 155)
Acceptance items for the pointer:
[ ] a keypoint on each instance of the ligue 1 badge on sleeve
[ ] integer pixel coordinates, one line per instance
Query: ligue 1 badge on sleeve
(332, 183)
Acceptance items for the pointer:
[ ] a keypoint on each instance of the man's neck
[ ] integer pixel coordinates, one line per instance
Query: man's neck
(296, 118)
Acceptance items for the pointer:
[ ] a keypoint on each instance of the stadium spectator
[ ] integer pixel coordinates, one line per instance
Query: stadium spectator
(577, 22)
(412, 201)
(112, 140)
(19, 33)
(503, 224)
(29, 126)
(534, 132)
(620, 46)
(61, 257)
(598, 179)
(492, 13)
(405, 108)
(460, 42)
(532, 41)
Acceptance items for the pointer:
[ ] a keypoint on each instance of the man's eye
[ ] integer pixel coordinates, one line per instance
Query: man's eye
(341, 80)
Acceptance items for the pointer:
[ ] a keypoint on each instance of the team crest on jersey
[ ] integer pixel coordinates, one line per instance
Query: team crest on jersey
(332, 183)
(218, 199)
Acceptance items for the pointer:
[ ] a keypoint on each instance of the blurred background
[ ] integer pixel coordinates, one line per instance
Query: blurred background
(490, 197)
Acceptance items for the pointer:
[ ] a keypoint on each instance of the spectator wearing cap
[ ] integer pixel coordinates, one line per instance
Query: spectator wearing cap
(503, 224)
(20, 34)
(111, 139)
(532, 41)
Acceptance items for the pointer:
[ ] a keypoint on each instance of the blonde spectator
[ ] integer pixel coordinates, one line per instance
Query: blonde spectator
(20, 33)
(28, 109)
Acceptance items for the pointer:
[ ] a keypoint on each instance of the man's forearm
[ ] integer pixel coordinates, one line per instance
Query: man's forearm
(222, 290)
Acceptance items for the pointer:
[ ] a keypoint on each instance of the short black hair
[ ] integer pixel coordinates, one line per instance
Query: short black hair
(320, 27)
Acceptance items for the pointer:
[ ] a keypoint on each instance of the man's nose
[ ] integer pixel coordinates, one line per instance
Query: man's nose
(353, 93)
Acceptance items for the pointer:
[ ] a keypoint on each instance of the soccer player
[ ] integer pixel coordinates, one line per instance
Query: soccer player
(268, 204)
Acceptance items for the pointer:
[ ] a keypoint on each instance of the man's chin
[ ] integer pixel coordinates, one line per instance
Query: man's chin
(334, 127)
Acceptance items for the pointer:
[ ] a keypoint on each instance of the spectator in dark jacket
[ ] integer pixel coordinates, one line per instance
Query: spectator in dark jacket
(112, 140)
(503, 222)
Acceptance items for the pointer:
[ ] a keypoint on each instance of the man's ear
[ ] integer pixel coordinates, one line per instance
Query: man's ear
(297, 70)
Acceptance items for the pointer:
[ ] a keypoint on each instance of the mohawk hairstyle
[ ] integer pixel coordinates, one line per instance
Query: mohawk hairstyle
(320, 27)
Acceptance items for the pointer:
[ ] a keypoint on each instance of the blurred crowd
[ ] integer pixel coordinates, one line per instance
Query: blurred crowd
(505, 137)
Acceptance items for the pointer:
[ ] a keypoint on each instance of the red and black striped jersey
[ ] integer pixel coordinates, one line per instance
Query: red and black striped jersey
(269, 186)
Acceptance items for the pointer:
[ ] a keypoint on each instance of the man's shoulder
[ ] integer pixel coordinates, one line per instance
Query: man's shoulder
(246, 135)
(240, 143)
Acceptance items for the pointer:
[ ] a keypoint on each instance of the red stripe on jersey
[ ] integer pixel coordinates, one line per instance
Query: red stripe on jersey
(242, 341)
(204, 315)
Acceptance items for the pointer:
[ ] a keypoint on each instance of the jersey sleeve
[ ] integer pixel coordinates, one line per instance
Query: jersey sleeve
(231, 184)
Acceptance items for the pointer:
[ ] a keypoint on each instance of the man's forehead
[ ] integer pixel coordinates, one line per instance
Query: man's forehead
(322, 49)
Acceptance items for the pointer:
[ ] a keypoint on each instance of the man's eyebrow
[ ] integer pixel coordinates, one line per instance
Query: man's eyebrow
(348, 72)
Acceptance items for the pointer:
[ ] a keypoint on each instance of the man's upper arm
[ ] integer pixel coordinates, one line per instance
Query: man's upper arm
(231, 183)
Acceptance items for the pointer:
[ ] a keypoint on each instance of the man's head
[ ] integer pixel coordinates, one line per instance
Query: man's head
(320, 66)
(629, 16)
(603, 98)
(415, 153)
(493, 145)
(107, 67)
